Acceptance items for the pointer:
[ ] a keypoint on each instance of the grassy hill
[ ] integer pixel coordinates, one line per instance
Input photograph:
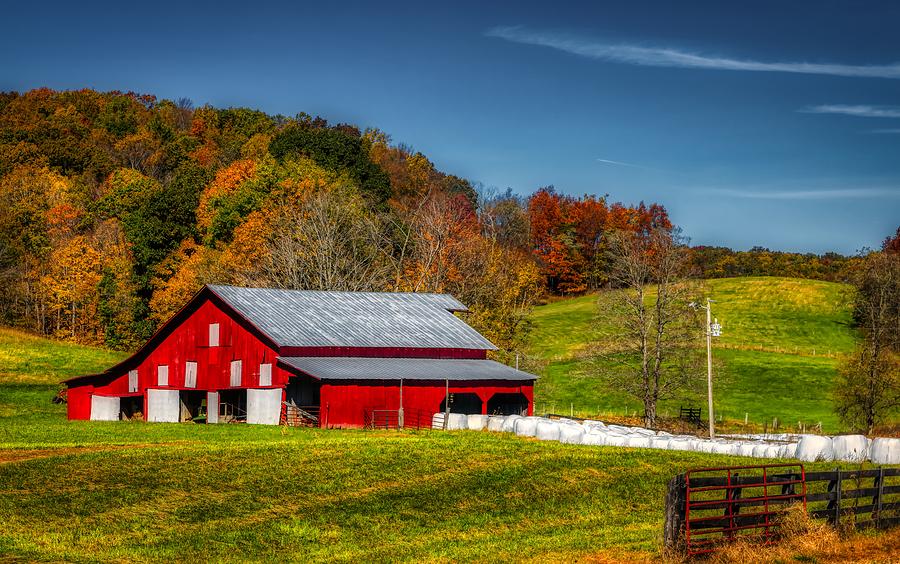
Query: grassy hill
(124, 491)
(777, 356)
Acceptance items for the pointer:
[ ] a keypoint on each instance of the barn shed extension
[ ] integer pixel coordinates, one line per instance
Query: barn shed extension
(329, 359)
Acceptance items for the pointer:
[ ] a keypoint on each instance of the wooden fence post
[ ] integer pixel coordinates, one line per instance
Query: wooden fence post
(879, 495)
(676, 501)
(835, 504)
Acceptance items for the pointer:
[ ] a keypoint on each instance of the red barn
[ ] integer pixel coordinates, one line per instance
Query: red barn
(332, 359)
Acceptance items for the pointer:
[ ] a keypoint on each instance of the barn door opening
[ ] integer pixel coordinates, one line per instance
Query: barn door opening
(469, 404)
(192, 406)
(131, 408)
(233, 406)
(508, 404)
(303, 402)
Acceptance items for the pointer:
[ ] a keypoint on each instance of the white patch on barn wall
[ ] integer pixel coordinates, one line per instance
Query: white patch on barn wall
(162, 375)
(212, 407)
(104, 408)
(236, 367)
(214, 334)
(190, 374)
(264, 406)
(132, 381)
(163, 406)
(265, 374)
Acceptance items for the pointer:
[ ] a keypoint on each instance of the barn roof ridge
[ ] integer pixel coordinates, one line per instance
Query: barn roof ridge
(321, 318)
(448, 299)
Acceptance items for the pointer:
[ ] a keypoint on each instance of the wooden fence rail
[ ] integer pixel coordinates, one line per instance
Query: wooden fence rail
(711, 506)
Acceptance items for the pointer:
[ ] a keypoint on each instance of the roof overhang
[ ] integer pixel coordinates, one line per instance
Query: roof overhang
(364, 368)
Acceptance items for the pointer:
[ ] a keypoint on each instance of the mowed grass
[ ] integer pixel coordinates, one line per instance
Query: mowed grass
(777, 357)
(84, 491)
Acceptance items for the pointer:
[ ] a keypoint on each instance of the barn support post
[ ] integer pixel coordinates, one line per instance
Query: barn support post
(673, 532)
(446, 402)
(400, 410)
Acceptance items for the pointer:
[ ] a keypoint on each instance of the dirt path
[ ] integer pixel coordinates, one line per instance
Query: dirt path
(12, 455)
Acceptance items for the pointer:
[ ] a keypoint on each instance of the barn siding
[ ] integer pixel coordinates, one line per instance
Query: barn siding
(345, 404)
(188, 343)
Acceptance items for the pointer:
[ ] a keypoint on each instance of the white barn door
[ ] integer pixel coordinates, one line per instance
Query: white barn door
(212, 407)
(163, 406)
(264, 406)
(104, 408)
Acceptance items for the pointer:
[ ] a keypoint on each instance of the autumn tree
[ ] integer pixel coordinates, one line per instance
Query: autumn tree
(868, 389)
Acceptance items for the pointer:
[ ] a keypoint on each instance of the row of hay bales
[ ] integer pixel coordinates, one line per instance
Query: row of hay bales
(809, 448)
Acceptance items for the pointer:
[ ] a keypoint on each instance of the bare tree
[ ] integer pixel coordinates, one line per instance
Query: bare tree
(330, 241)
(653, 334)
(868, 388)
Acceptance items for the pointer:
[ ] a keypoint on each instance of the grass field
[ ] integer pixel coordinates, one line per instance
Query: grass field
(85, 491)
(777, 356)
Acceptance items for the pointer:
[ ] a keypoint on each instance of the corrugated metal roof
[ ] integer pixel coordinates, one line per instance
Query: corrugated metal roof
(356, 368)
(306, 318)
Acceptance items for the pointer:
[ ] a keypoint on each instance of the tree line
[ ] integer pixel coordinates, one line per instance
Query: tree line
(115, 208)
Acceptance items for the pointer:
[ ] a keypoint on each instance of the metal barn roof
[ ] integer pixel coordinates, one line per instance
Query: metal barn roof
(306, 318)
(356, 368)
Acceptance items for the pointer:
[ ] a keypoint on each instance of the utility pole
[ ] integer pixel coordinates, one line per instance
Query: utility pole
(709, 389)
(713, 329)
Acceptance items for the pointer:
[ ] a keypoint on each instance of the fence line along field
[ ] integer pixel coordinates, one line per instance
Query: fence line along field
(777, 357)
(81, 490)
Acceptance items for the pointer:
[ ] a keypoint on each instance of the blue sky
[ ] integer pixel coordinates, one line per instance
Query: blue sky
(753, 123)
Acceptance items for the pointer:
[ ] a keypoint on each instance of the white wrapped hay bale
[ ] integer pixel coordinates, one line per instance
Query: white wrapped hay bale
(476, 422)
(736, 449)
(788, 450)
(747, 449)
(885, 451)
(661, 443)
(813, 447)
(527, 426)
(509, 424)
(760, 451)
(704, 446)
(679, 444)
(547, 430)
(437, 421)
(721, 448)
(638, 441)
(615, 439)
(593, 439)
(495, 423)
(571, 434)
(458, 422)
(850, 448)
(591, 424)
(619, 429)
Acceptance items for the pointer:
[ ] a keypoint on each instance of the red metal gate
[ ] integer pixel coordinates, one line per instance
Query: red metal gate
(715, 497)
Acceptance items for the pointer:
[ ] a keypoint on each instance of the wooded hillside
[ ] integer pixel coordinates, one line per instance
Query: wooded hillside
(116, 207)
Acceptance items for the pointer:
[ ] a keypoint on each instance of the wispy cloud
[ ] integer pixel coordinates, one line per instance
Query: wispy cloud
(672, 57)
(619, 163)
(860, 110)
(835, 194)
